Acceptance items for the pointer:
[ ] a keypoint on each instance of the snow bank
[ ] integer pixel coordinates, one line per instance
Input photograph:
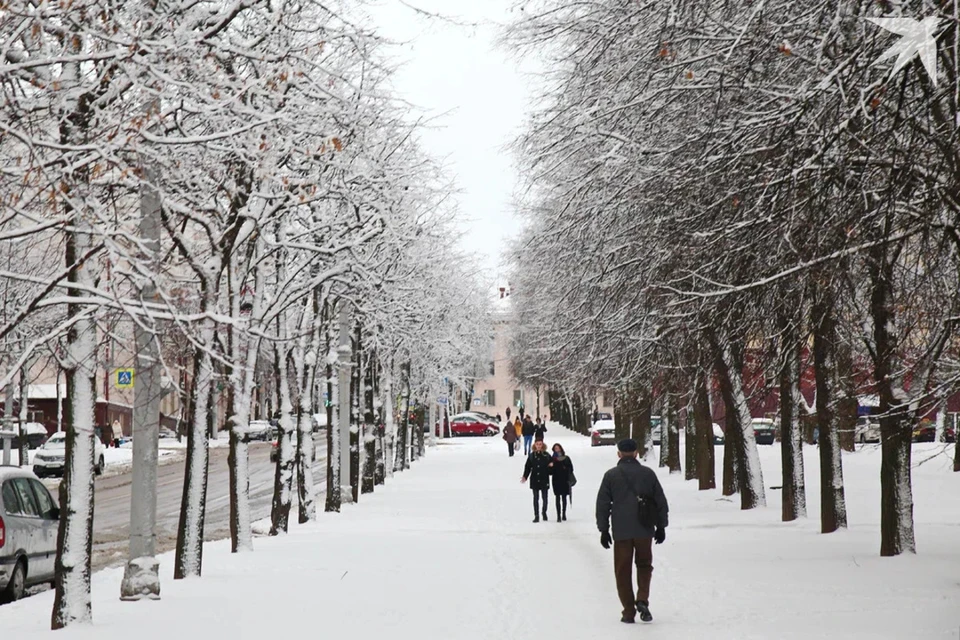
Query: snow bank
(447, 550)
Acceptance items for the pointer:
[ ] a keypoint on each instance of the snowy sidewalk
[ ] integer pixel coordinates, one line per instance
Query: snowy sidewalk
(448, 550)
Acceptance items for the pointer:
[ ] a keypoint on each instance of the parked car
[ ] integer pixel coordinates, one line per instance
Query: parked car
(603, 432)
(29, 519)
(926, 431)
(260, 430)
(601, 415)
(764, 430)
(476, 416)
(166, 434)
(320, 421)
(719, 437)
(36, 435)
(867, 430)
(49, 459)
(468, 425)
(275, 451)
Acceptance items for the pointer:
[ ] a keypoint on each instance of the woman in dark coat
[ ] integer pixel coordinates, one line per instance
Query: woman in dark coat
(537, 469)
(562, 470)
(509, 436)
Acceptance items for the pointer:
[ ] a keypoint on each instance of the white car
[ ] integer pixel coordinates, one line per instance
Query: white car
(29, 519)
(603, 432)
(49, 459)
(260, 430)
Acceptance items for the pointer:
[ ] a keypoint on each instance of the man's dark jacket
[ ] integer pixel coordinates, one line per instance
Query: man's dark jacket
(527, 428)
(616, 502)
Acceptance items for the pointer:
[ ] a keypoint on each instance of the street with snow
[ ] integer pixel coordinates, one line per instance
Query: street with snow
(447, 549)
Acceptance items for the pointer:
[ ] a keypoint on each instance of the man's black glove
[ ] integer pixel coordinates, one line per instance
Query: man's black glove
(660, 535)
(605, 540)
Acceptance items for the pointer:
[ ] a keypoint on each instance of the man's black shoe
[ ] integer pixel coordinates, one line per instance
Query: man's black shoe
(627, 620)
(643, 608)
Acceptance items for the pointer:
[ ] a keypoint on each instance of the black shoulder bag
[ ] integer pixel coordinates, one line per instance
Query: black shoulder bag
(646, 509)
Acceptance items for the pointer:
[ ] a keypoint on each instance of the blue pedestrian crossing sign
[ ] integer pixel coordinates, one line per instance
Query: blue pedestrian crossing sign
(124, 378)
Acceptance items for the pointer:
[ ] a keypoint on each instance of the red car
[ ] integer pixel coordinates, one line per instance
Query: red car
(471, 426)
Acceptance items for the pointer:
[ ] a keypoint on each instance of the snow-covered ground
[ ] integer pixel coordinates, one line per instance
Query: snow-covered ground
(448, 550)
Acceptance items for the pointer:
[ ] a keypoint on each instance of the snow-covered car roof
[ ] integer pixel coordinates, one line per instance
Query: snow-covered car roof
(12, 471)
(603, 425)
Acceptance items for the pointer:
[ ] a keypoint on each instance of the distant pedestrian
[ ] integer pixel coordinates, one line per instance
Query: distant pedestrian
(509, 436)
(499, 419)
(527, 429)
(537, 469)
(631, 496)
(562, 471)
(508, 413)
(539, 430)
(519, 428)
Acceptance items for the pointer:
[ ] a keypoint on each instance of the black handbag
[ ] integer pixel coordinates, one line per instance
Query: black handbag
(646, 509)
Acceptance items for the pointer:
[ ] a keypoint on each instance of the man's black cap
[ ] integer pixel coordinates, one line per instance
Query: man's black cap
(627, 445)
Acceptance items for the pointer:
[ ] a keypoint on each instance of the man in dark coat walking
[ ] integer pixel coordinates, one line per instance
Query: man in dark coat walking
(509, 436)
(528, 429)
(632, 540)
(537, 469)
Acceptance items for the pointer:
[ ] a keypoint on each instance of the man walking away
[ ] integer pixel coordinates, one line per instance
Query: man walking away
(528, 430)
(509, 436)
(631, 496)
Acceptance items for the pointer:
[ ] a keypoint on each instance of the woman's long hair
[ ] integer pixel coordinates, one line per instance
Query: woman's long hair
(554, 449)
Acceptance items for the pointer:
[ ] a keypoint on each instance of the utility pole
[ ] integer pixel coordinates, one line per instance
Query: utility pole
(141, 577)
(343, 383)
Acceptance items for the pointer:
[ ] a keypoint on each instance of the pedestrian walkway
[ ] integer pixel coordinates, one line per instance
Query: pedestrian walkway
(448, 550)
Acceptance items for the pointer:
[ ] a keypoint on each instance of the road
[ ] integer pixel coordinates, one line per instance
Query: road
(111, 521)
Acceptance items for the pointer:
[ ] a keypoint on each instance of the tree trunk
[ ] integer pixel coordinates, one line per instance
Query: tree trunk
(896, 490)
(369, 431)
(241, 534)
(403, 461)
(643, 428)
(749, 474)
(671, 435)
(283, 477)
(833, 510)
(24, 453)
(791, 441)
(621, 414)
(306, 377)
(706, 466)
(356, 381)
(332, 503)
(689, 445)
(72, 603)
(189, 554)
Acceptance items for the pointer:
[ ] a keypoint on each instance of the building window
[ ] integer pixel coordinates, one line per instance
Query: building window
(518, 397)
(490, 398)
(607, 399)
(493, 368)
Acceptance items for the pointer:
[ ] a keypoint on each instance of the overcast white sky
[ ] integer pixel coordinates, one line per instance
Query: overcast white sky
(459, 71)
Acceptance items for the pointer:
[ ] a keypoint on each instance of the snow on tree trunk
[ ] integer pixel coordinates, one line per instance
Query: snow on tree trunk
(403, 451)
(389, 424)
(241, 535)
(940, 421)
(704, 427)
(665, 420)
(306, 510)
(749, 474)
(305, 365)
(791, 441)
(283, 478)
(72, 603)
(643, 429)
(369, 431)
(896, 490)
(189, 554)
(24, 453)
(689, 445)
(332, 503)
(833, 510)
(356, 378)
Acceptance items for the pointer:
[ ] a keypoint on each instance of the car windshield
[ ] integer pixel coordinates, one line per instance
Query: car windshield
(56, 443)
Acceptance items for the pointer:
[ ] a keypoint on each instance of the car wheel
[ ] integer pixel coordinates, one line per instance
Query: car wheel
(17, 584)
(100, 466)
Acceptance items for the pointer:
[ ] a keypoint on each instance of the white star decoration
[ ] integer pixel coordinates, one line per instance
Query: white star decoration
(919, 39)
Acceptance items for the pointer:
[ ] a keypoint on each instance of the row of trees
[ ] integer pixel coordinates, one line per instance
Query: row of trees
(233, 188)
(720, 186)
